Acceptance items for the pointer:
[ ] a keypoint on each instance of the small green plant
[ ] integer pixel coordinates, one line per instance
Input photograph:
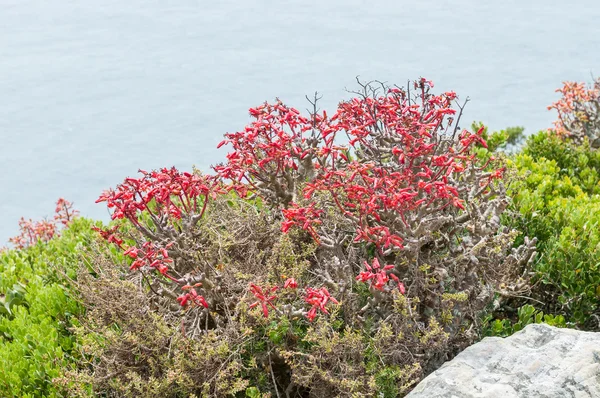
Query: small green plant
(527, 314)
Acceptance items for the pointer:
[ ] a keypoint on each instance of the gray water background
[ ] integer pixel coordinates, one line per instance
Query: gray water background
(92, 90)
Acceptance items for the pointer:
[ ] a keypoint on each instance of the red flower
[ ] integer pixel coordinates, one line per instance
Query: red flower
(311, 314)
(290, 283)
(64, 211)
(378, 276)
(193, 297)
(264, 299)
(183, 299)
(171, 192)
(132, 252)
(137, 264)
(318, 298)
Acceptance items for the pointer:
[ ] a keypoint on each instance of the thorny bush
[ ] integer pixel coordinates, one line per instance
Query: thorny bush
(368, 242)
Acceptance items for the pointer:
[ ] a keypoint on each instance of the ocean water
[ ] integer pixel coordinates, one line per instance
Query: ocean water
(92, 90)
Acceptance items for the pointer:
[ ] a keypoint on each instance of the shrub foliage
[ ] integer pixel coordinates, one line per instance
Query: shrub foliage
(557, 197)
(37, 308)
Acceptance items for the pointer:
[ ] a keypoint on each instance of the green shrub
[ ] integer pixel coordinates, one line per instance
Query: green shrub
(526, 315)
(557, 196)
(578, 162)
(36, 310)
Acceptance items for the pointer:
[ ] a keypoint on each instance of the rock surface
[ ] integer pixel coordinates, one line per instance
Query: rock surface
(539, 361)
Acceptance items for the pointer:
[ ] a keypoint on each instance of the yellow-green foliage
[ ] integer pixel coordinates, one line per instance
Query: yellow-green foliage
(352, 363)
(579, 162)
(128, 350)
(288, 260)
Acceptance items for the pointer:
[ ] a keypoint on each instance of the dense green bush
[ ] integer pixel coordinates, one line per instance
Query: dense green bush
(36, 310)
(557, 197)
(578, 162)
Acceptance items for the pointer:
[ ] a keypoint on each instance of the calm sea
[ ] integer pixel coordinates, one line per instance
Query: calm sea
(92, 90)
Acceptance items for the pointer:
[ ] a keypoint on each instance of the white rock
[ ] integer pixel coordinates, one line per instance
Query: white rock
(539, 361)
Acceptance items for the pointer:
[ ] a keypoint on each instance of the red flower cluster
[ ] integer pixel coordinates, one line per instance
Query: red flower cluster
(379, 277)
(304, 217)
(404, 163)
(173, 202)
(167, 192)
(264, 297)
(32, 232)
(192, 296)
(153, 256)
(578, 110)
(149, 255)
(272, 148)
(318, 298)
(110, 235)
(401, 158)
(272, 143)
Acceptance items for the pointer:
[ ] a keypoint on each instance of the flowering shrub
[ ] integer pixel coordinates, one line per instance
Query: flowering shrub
(349, 233)
(406, 187)
(32, 232)
(579, 112)
(164, 208)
